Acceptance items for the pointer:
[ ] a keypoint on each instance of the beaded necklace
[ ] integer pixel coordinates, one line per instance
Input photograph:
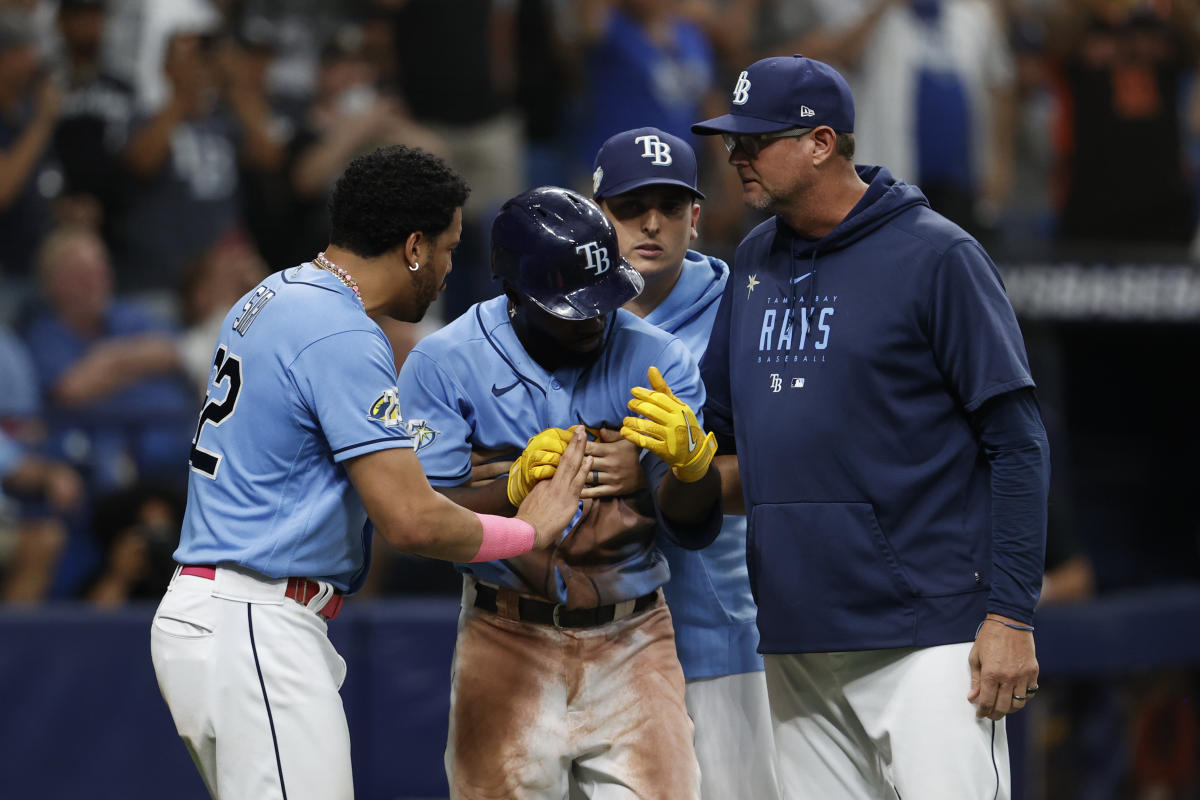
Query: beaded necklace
(321, 262)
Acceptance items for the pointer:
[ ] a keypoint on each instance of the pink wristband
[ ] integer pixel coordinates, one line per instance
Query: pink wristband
(503, 537)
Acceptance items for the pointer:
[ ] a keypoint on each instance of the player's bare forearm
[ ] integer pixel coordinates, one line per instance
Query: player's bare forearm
(407, 512)
(414, 518)
(732, 499)
(689, 503)
(488, 498)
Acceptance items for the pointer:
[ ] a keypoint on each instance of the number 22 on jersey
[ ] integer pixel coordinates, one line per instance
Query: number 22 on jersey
(228, 370)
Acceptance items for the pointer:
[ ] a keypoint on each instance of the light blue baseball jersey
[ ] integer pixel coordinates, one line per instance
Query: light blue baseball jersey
(471, 385)
(302, 380)
(709, 593)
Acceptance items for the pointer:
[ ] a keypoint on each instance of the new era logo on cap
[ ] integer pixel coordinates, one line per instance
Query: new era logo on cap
(776, 94)
(641, 157)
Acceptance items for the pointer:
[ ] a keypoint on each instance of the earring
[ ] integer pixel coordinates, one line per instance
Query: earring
(414, 266)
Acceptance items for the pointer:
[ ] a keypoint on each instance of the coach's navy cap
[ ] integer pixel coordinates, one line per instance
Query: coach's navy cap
(784, 92)
(643, 157)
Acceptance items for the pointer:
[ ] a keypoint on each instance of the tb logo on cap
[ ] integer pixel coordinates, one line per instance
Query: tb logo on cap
(741, 91)
(597, 257)
(655, 149)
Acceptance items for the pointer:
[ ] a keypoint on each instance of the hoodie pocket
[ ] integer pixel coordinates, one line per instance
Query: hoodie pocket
(826, 578)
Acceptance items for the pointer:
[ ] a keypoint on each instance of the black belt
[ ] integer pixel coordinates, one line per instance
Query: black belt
(544, 613)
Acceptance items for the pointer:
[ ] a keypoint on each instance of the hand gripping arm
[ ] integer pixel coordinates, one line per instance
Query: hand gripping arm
(538, 462)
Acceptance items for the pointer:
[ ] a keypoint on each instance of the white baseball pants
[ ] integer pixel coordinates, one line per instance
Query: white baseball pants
(883, 724)
(252, 681)
(734, 743)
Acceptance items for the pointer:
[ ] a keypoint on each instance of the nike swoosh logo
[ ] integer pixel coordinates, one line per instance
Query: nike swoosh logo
(498, 391)
(691, 441)
(802, 277)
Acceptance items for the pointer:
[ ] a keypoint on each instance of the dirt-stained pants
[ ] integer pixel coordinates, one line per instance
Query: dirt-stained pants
(536, 711)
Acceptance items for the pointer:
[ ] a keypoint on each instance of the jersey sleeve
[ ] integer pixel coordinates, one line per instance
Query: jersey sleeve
(973, 329)
(442, 419)
(348, 382)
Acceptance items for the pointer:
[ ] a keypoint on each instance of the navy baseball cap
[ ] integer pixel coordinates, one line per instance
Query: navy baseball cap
(643, 157)
(776, 94)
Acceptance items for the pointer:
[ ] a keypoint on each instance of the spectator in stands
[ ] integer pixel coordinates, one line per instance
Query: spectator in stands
(138, 530)
(546, 72)
(646, 65)
(115, 402)
(185, 159)
(729, 26)
(269, 128)
(458, 71)
(39, 541)
(20, 403)
(299, 28)
(93, 126)
(29, 177)
(209, 288)
(934, 84)
(349, 116)
(35, 493)
(1123, 66)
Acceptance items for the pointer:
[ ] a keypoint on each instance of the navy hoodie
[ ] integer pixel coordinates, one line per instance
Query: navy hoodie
(843, 371)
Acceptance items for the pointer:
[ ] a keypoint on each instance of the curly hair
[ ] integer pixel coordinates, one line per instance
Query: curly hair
(385, 196)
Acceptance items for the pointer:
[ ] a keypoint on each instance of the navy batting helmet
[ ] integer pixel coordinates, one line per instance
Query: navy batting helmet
(557, 248)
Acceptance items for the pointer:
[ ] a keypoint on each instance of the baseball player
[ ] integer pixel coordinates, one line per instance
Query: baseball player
(645, 181)
(300, 440)
(565, 674)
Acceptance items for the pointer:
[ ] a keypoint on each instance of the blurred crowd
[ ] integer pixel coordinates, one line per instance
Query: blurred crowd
(157, 157)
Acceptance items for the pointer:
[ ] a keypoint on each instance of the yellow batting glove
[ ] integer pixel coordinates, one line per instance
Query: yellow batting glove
(668, 428)
(537, 463)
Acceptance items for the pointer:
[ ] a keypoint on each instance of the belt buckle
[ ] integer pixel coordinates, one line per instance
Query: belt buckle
(554, 616)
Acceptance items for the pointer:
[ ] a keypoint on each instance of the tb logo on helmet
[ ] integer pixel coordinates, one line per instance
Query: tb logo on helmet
(655, 149)
(741, 91)
(597, 257)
